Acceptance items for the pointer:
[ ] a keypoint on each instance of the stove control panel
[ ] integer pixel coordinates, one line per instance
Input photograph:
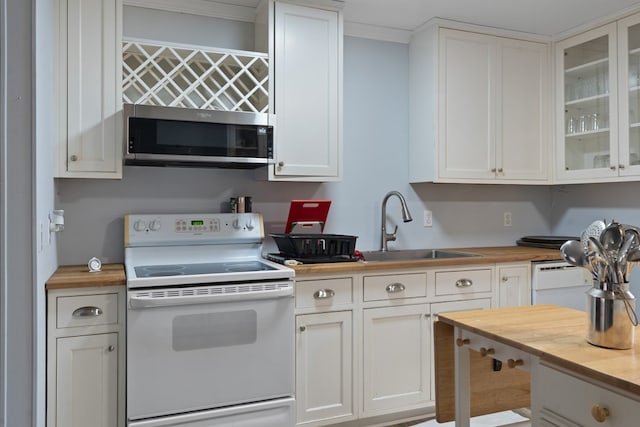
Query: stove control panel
(167, 229)
(186, 225)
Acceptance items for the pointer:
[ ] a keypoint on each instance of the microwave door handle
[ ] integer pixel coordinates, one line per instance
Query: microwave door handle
(138, 302)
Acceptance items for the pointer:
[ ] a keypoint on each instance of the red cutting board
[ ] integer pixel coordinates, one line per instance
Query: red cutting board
(307, 211)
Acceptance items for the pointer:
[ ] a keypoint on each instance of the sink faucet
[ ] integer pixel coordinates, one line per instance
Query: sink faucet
(406, 217)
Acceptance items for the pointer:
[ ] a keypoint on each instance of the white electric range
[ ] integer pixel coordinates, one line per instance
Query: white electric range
(210, 324)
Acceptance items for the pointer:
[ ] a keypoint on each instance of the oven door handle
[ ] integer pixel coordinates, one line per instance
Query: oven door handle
(137, 301)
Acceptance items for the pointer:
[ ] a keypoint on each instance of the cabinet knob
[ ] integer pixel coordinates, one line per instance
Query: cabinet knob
(500, 170)
(505, 279)
(493, 170)
(111, 348)
(395, 287)
(620, 166)
(280, 165)
(486, 351)
(73, 158)
(513, 363)
(303, 328)
(613, 167)
(599, 413)
(324, 293)
(462, 341)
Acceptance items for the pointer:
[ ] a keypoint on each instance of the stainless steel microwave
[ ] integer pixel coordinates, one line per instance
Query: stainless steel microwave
(173, 136)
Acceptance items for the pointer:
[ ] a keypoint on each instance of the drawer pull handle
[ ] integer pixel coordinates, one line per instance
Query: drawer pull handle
(513, 363)
(87, 312)
(111, 348)
(303, 328)
(486, 351)
(599, 413)
(395, 288)
(464, 283)
(462, 341)
(324, 293)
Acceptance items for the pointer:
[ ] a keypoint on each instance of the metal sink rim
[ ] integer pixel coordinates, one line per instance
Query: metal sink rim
(414, 255)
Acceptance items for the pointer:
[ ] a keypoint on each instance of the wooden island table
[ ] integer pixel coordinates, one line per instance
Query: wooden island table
(572, 382)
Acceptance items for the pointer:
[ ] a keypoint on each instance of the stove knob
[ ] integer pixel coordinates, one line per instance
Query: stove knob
(250, 225)
(139, 225)
(155, 225)
(236, 224)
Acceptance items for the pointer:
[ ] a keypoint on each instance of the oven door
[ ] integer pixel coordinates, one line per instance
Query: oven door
(192, 349)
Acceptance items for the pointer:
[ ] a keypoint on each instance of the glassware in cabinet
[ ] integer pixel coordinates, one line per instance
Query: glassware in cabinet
(633, 93)
(586, 75)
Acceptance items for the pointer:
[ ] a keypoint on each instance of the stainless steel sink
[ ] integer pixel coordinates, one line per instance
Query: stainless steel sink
(413, 254)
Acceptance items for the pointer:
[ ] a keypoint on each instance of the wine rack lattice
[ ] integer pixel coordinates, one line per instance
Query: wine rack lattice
(177, 76)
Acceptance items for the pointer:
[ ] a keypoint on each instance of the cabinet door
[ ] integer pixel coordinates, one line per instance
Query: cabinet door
(308, 84)
(396, 358)
(514, 285)
(467, 76)
(523, 132)
(629, 93)
(87, 381)
(324, 371)
(90, 136)
(587, 121)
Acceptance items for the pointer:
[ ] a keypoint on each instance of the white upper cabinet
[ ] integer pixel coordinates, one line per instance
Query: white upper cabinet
(598, 104)
(307, 101)
(587, 105)
(478, 108)
(89, 139)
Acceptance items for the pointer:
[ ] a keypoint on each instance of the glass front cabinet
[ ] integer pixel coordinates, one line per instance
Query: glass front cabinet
(598, 126)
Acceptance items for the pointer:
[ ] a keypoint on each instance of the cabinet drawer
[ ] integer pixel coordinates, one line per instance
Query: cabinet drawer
(463, 281)
(324, 293)
(87, 310)
(567, 397)
(394, 286)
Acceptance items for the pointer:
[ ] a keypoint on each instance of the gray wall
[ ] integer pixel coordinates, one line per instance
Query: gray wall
(21, 333)
(375, 162)
(576, 206)
(44, 190)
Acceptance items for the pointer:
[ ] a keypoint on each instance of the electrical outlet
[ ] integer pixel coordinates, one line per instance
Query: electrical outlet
(507, 219)
(428, 218)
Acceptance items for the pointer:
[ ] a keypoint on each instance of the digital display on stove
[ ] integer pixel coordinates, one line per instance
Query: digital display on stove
(197, 222)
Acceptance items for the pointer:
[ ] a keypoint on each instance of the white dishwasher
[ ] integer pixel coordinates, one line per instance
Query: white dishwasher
(557, 282)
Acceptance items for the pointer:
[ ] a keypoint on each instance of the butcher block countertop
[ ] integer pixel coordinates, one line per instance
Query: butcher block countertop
(556, 335)
(78, 276)
(487, 255)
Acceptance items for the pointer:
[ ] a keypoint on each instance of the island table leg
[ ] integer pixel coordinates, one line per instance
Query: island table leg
(462, 383)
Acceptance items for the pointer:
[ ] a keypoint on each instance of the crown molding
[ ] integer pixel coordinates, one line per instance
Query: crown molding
(375, 32)
(199, 7)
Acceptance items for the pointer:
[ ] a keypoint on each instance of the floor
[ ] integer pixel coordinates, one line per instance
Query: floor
(500, 419)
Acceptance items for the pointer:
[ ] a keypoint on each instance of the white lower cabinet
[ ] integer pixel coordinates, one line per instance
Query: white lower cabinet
(325, 341)
(514, 284)
(364, 342)
(85, 357)
(396, 358)
(87, 380)
(324, 372)
(565, 400)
